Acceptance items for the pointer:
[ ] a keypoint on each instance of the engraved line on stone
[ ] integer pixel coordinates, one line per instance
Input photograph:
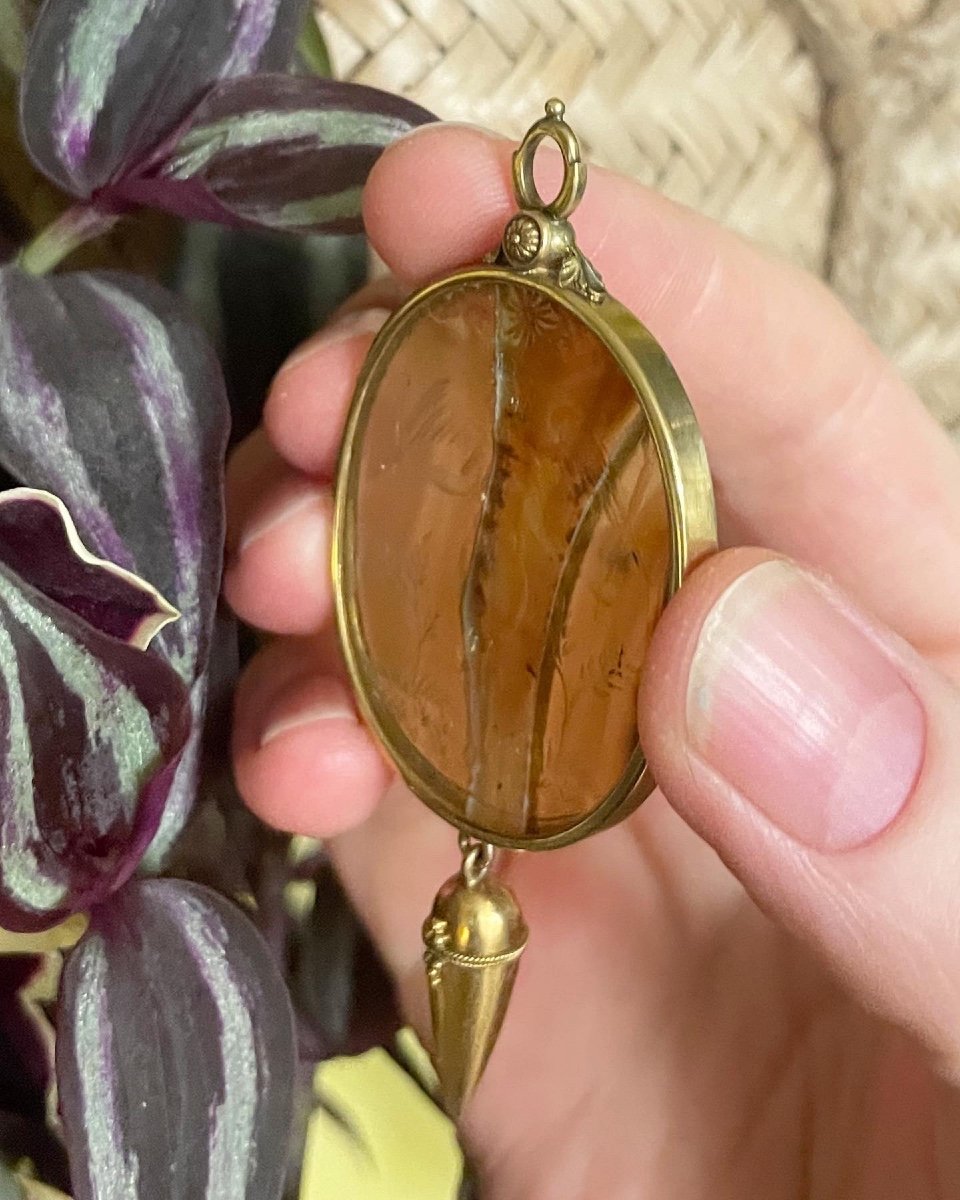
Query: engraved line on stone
(597, 503)
(472, 599)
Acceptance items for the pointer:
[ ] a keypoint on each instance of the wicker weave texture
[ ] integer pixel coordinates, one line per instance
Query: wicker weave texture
(828, 130)
(894, 252)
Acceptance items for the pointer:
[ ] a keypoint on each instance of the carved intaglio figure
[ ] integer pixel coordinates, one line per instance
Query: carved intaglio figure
(522, 488)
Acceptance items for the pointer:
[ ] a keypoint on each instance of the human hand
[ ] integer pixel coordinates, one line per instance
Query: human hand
(749, 990)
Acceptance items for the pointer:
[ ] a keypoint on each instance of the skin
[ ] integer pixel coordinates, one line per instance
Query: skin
(708, 1007)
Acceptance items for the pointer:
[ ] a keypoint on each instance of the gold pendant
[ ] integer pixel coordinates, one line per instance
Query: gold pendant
(522, 487)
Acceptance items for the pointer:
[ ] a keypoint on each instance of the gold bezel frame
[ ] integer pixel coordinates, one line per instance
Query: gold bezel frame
(686, 479)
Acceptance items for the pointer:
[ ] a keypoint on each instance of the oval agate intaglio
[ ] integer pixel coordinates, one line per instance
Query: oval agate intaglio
(522, 488)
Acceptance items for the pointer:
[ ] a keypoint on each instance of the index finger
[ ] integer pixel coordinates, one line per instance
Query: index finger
(819, 449)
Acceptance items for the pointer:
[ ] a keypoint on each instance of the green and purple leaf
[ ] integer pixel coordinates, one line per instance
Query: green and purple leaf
(90, 733)
(106, 80)
(91, 725)
(181, 794)
(111, 398)
(283, 152)
(176, 1081)
(39, 541)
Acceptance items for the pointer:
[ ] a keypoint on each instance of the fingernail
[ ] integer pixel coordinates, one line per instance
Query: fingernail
(352, 324)
(272, 518)
(330, 701)
(798, 708)
(332, 711)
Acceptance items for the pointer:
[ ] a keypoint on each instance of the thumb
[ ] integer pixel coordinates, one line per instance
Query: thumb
(818, 753)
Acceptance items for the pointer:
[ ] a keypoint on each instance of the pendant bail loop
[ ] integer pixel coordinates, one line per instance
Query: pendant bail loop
(574, 169)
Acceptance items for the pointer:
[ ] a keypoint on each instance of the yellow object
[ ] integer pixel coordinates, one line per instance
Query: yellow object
(474, 936)
(39, 1191)
(60, 937)
(405, 1149)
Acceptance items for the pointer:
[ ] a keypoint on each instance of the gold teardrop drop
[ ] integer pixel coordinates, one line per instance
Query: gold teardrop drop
(474, 938)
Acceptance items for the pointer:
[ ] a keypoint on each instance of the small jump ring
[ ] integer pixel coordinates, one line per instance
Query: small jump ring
(477, 859)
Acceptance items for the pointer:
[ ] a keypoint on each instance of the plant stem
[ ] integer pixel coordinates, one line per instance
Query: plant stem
(71, 229)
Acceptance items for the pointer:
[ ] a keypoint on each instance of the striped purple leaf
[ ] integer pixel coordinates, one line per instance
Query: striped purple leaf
(91, 729)
(175, 1051)
(39, 541)
(40, 544)
(111, 398)
(106, 80)
(278, 152)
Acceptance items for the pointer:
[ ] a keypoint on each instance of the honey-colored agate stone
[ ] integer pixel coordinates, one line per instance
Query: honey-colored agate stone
(511, 555)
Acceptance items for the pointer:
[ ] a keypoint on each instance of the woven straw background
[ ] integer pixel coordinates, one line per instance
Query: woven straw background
(826, 129)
